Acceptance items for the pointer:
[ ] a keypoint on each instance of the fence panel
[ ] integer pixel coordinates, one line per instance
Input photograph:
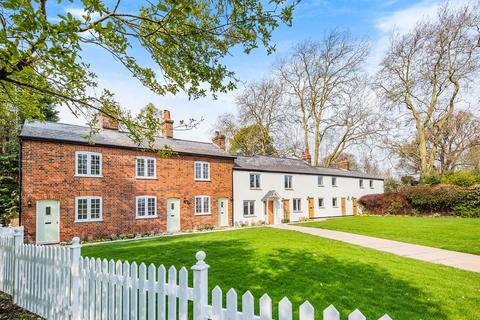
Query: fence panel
(57, 283)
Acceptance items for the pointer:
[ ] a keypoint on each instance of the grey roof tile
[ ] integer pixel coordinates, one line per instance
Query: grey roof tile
(77, 134)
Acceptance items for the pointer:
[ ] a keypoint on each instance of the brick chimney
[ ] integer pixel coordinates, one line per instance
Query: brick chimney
(219, 140)
(167, 125)
(106, 122)
(306, 156)
(343, 164)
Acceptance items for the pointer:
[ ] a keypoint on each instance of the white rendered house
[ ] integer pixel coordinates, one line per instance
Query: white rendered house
(276, 190)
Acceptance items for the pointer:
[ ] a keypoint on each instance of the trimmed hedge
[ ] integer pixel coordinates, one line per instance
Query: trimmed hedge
(425, 200)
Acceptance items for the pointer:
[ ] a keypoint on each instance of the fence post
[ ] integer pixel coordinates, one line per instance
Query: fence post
(75, 278)
(200, 287)
(17, 242)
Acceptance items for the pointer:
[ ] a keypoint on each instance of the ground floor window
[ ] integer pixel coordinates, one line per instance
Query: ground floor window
(146, 207)
(202, 205)
(88, 209)
(334, 202)
(249, 208)
(297, 204)
(321, 203)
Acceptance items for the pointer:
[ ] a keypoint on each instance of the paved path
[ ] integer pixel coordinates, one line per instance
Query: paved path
(455, 259)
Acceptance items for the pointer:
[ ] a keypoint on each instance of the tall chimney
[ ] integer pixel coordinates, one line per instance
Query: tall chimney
(167, 125)
(106, 122)
(343, 164)
(306, 156)
(219, 140)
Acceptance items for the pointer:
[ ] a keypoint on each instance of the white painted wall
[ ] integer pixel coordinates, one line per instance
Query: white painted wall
(304, 186)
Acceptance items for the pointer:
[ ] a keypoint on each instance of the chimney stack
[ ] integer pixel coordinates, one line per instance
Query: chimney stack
(344, 164)
(106, 122)
(306, 156)
(219, 140)
(167, 125)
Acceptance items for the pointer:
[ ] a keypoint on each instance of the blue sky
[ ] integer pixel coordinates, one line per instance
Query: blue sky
(373, 20)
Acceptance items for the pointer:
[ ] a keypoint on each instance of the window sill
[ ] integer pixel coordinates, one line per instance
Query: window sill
(362, 187)
(297, 211)
(249, 216)
(335, 186)
(203, 214)
(321, 207)
(260, 189)
(88, 221)
(321, 185)
(203, 180)
(88, 176)
(335, 207)
(146, 178)
(146, 218)
(289, 189)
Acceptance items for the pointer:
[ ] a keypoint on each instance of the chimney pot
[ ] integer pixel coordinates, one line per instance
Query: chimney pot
(344, 164)
(106, 122)
(167, 124)
(306, 156)
(219, 140)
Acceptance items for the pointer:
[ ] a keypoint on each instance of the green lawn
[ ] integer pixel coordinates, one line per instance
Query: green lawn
(458, 234)
(325, 272)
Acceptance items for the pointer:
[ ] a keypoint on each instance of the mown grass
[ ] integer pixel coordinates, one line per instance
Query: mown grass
(300, 266)
(458, 234)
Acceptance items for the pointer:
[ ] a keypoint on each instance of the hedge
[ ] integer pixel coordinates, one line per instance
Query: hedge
(425, 200)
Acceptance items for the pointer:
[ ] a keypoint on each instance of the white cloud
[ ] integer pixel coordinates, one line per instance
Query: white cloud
(80, 12)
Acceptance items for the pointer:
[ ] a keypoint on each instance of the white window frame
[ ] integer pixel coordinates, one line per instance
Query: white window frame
(89, 164)
(290, 187)
(89, 209)
(295, 207)
(251, 208)
(201, 163)
(203, 213)
(145, 159)
(146, 216)
(322, 178)
(371, 184)
(323, 203)
(336, 182)
(360, 182)
(335, 199)
(256, 180)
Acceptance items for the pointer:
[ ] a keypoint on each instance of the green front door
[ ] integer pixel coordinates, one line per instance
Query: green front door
(222, 212)
(173, 215)
(48, 222)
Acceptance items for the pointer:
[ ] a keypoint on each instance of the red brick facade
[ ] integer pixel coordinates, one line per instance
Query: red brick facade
(48, 173)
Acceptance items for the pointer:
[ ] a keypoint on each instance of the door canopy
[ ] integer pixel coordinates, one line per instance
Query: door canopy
(271, 195)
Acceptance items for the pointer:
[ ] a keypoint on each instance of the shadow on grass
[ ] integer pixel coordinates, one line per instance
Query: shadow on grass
(298, 274)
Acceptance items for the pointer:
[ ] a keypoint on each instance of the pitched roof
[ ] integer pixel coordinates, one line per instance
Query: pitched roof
(113, 138)
(292, 165)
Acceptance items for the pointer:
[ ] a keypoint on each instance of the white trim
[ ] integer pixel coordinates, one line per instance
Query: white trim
(146, 216)
(89, 164)
(146, 168)
(336, 181)
(209, 206)
(250, 214)
(256, 180)
(290, 186)
(89, 209)
(299, 207)
(201, 171)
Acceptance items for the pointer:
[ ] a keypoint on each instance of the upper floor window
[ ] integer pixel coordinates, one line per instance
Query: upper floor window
(202, 205)
(360, 182)
(88, 164)
(254, 181)
(88, 209)
(249, 207)
(288, 182)
(371, 184)
(334, 202)
(202, 170)
(334, 181)
(146, 167)
(297, 204)
(320, 181)
(146, 207)
(321, 203)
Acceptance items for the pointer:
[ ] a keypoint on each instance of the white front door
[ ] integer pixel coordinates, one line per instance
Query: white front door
(48, 221)
(173, 215)
(222, 212)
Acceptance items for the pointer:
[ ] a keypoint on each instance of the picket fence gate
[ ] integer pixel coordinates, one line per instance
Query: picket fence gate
(58, 283)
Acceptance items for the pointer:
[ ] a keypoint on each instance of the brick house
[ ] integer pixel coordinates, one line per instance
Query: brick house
(70, 187)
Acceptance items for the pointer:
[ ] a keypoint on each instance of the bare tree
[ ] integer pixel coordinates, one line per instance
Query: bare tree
(425, 72)
(317, 73)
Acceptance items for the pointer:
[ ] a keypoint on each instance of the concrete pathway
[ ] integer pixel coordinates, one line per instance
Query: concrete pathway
(465, 261)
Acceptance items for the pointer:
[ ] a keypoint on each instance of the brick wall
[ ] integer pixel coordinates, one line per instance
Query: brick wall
(48, 173)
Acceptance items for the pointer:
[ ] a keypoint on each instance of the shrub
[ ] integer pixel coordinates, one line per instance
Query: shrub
(468, 204)
(430, 180)
(427, 199)
(385, 203)
(462, 178)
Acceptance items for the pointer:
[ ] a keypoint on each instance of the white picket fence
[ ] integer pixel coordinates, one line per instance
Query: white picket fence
(57, 283)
